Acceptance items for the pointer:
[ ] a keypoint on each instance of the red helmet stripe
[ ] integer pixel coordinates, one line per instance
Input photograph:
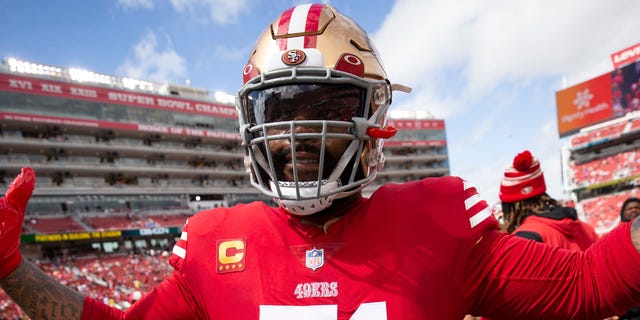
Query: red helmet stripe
(299, 19)
(313, 21)
(283, 27)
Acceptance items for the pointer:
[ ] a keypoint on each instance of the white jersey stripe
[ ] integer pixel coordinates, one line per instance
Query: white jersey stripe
(480, 216)
(472, 201)
(183, 236)
(178, 251)
(298, 24)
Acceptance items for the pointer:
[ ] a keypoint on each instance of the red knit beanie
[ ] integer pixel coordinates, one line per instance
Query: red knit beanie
(523, 180)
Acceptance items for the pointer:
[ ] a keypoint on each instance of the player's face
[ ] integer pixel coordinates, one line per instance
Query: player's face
(307, 155)
(319, 103)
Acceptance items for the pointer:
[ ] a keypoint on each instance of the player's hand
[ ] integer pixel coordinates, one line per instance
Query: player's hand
(12, 207)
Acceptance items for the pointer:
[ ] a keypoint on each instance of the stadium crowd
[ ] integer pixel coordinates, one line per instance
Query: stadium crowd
(603, 212)
(617, 166)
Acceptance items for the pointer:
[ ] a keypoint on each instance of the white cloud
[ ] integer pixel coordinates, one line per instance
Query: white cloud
(149, 62)
(216, 11)
(489, 42)
(490, 68)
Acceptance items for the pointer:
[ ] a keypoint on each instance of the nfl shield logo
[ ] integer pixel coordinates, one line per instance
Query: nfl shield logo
(315, 258)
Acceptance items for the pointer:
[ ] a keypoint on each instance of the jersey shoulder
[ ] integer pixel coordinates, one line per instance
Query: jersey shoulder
(202, 231)
(448, 202)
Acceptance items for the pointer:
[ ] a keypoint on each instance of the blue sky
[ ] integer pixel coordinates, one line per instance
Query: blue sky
(490, 68)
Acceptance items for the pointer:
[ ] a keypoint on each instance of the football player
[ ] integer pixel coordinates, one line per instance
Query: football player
(312, 120)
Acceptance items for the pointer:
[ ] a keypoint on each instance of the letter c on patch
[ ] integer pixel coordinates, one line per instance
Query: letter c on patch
(231, 251)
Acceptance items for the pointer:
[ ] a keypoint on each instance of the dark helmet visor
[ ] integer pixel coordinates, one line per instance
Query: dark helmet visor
(333, 102)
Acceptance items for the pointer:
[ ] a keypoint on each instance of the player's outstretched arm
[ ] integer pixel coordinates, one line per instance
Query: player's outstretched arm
(531, 280)
(40, 296)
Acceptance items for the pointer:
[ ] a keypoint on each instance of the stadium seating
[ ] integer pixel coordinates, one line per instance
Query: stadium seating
(609, 168)
(603, 212)
(54, 224)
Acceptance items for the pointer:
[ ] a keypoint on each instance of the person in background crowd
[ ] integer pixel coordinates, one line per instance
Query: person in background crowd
(312, 120)
(630, 209)
(530, 213)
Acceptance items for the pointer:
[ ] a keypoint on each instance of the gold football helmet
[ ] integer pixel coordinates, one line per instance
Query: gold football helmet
(314, 78)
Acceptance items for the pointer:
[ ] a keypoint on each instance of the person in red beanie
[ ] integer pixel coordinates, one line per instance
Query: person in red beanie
(529, 212)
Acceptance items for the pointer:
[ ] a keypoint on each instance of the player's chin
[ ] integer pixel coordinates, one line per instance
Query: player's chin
(306, 171)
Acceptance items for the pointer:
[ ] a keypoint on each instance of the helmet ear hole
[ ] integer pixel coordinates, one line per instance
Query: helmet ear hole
(372, 159)
(380, 164)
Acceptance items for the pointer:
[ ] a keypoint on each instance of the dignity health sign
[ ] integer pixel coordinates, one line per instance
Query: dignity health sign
(584, 104)
(603, 98)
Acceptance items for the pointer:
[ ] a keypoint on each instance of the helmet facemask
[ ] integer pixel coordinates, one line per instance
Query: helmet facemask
(306, 135)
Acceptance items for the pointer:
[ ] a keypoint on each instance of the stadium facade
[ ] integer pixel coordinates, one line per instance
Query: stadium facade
(122, 162)
(418, 150)
(601, 158)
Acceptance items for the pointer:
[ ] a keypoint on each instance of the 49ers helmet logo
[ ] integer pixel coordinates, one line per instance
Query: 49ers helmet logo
(293, 57)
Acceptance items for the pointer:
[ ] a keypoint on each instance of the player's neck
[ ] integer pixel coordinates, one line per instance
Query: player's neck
(335, 212)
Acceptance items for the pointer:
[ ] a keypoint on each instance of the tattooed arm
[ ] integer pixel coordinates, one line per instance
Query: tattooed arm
(41, 296)
(38, 294)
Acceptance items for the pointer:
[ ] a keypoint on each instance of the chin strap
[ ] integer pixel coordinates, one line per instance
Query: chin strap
(344, 160)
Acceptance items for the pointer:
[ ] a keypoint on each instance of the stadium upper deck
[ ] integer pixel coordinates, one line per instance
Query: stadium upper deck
(103, 144)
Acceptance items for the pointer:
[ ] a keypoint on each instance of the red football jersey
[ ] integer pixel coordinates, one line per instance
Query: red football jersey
(428, 249)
